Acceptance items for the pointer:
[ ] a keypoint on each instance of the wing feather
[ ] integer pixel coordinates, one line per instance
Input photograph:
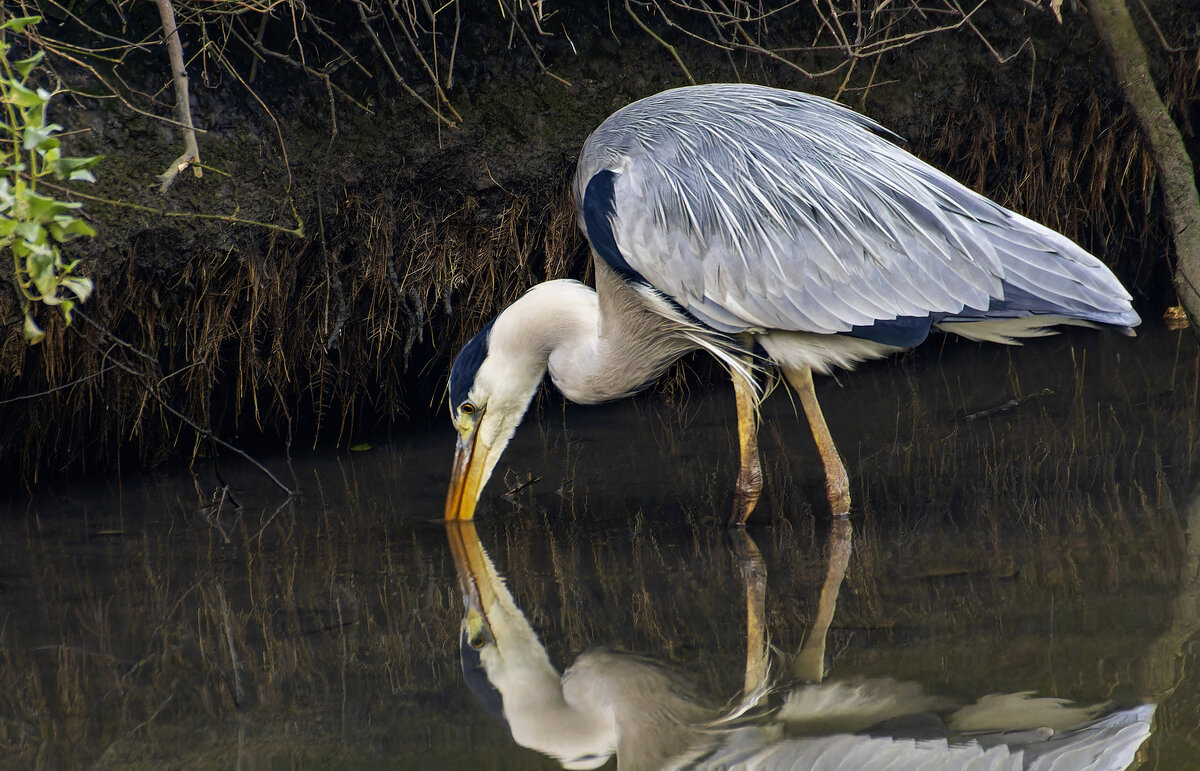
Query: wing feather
(757, 208)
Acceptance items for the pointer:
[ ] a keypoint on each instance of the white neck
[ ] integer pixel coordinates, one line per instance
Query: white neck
(594, 352)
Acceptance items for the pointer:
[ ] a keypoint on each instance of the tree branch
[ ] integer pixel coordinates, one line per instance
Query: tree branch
(183, 106)
(1176, 173)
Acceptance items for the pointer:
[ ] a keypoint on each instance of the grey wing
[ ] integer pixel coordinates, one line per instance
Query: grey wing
(759, 208)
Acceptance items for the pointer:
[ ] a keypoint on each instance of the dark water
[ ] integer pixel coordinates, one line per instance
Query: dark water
(1025, 520)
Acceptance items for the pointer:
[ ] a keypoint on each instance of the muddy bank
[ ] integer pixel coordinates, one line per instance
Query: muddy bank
(415, 231)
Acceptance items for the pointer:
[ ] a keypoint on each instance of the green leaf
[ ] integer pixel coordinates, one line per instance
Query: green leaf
(31, 232)
(33, 333)
(33, 225)
(25, 97)
(41, 137)
(72, 168)
(25, 66)
(81, 287)
(40, 260)
(360, 447)
(44, 209)
(20, 22)
(66, 228)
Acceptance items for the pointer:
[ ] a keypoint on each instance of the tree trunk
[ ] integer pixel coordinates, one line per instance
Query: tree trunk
(1176, 174)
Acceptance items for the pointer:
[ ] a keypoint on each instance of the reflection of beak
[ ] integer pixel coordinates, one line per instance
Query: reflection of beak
(471, 564)
(466, 477)
(472, 579)
(476, 631)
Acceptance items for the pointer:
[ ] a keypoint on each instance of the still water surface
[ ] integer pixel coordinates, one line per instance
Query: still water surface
(1026, 521)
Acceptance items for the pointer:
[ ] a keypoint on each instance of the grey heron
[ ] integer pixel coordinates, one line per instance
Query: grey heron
(770, 228)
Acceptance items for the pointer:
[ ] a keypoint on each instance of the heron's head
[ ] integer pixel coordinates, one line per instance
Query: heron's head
(491, 384)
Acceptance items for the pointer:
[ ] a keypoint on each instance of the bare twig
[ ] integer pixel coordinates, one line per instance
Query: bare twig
(454, 46)
(287, 166)
(533, 51)
(232, 219)
(1162, 39)
(670, 48)
(362, 14)
(57, 388)
(235, 663)
(421, 58)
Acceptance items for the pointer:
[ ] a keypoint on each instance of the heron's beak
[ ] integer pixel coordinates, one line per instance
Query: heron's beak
(466, 476)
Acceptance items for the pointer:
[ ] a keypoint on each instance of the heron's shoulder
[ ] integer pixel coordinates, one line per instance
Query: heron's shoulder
(728, 115)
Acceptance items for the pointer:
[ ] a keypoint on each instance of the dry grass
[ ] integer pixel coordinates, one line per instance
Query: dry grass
(310, 345)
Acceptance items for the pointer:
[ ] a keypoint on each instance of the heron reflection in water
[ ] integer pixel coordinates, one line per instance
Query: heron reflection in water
(778, 231)
(610, 703)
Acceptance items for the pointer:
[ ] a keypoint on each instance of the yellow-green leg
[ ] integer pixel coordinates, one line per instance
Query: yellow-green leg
(837, 484)
(750, 477)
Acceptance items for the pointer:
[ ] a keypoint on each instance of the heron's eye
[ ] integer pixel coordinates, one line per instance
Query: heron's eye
(467, 408)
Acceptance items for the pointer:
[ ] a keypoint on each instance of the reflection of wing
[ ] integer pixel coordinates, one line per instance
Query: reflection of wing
(1018, 711)
(843, 707)
(1108, 744)
(854, 752)
(761, 208)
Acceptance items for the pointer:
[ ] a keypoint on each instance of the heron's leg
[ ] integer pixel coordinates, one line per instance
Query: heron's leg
(837, 484)
(750, 477)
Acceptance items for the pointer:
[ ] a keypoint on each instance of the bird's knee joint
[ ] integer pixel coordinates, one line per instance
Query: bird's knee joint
(839, 498)
(750, 482)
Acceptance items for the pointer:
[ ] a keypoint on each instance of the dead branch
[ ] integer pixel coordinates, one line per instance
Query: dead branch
(404, 27)
(1177, 177)
(150, 386)
(670, 48)
(529, 44)
(183, 107)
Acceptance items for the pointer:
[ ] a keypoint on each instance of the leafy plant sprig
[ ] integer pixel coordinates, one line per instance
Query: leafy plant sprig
(32, 225)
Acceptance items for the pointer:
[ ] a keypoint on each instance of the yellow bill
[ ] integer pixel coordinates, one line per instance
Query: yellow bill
(466, 476)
